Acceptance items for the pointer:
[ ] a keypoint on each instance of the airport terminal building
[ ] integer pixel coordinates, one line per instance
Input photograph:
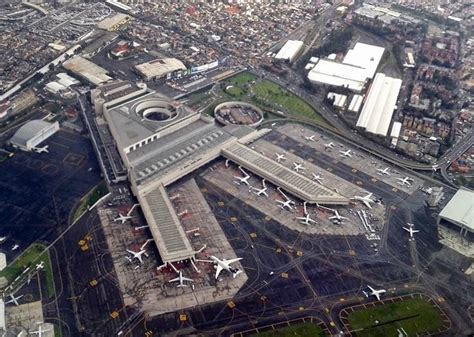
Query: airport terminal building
(456, 223)
(160, 141)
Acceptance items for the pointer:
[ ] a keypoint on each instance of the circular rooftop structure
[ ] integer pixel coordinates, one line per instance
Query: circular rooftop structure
(156, 109)
(238, 113)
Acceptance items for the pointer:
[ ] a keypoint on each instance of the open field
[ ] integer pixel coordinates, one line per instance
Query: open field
(30, 257)
(270, 96)
(298, 330)
(414, 316)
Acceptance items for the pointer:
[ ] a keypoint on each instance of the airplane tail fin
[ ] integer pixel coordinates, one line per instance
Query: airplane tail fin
(237, 272)
(365, 293)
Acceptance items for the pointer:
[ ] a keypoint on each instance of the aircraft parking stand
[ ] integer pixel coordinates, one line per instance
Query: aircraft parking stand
(149, 287)
(359, 161)
(223, 177)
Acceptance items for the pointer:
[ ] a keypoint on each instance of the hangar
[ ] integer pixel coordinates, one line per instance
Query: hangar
(33, 133)
(456, 223)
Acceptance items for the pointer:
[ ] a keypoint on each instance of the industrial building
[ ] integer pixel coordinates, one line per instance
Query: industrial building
(456, 223)
(87, 70)
(358, 66)
(33, 133)
(289, 51)
(114, 22)
(160, 141)
(380, 104)
(159, 68)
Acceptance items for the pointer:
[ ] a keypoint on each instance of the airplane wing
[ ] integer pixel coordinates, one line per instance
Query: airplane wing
(232, 260)
(371, 289)
(187, 279)
(378, 296)
(366, 203)
(131, 252)
(139, 257)
(218, 271)
(176, 279)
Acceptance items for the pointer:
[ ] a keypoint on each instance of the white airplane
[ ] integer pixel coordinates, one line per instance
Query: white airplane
(41, 149)
(297, 167)
(3, 239)
(14, 299)
(280, 157)
(40, 265)
(383, 172)
(225, 265)
(259, 192)
(329, 145)
(244, 179)
(137, 255)
(15, 246)
(374, 292)
(306, 220)
(310, 138)
(405, 181)
(367, 200)
(411, 230)
(181, 279)
(317, 177)
(337, 216)
(40, 330)
(122, 218)
(345, 154)
(286, 204)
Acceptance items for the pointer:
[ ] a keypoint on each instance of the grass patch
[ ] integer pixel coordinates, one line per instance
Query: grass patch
(235, 91)
(297, 330)
(90, 199)
(29, 258)
(415, 316)
(241, 79)
(281, 99)
(57, 331)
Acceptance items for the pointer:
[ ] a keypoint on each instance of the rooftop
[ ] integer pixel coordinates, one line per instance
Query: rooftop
(289, 50)
(380, 104)
(88, 70)
(299, 185)
(28, 131)
(160, 67)
(460, 209)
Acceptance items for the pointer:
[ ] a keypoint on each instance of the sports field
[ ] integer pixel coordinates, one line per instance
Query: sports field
(297, 330)
(415, 316)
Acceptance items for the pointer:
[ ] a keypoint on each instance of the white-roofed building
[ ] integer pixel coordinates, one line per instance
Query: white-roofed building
(356, 103)
(365, 56)
(31, 134)
(160, 67)
(380, 104)
(358, 66)
(55, 88)
(395, 134)
(456, 223)
(290, 50)
(66, 80)
(338, 75)
(339, 100)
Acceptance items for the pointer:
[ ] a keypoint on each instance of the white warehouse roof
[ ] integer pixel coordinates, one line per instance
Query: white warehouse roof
(380, 104)
(338, 74)
(396, 129)
(356, 103)
(460, 209)
(289, 50)
(365, 56)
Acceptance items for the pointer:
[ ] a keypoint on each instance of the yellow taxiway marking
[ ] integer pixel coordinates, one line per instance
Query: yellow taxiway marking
(354, 170)
(301, 308)
(278, 250)
(183, 317)
(268, 218)
(374, 180)
(93, 283)
(220, 203)
(233, 219)
(358, 182)
(299, 253)
(114, 314)
(284, 275)
(263, 298)
(231, 304)
(395, 189)
(253, 235)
